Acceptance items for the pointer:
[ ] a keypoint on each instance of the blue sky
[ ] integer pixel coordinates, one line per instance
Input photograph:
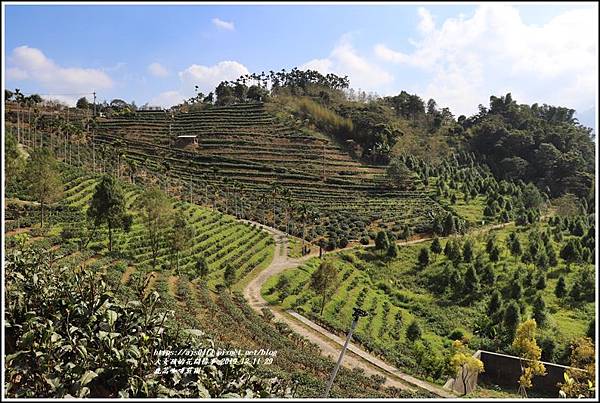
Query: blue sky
(457, 54)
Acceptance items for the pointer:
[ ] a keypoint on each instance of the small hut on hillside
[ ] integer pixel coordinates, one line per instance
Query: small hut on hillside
(186, 140)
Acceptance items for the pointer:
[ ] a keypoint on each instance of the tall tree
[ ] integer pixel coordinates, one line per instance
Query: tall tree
(323, 280)
(229, 275)
(157, 215)
(471, 281)
(398, 174)
(413, 331)
(539, 310)
(181, 236)
(511, 319)
(572, 251)
(468, 250)
(307, 214)
(561, 288)
(381, 241)
(108, 207)
(14, 159)
(202, 267)
(495, 303)
(436, 247)
(82, 103)
(43, 175)
(423, 257)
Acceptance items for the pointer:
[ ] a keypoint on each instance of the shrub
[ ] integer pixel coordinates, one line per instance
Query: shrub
(413, 332)
(67, 334)
(456, 334)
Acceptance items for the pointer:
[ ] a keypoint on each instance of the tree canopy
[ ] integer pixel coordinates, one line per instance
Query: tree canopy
(43, 176)
(108, 207)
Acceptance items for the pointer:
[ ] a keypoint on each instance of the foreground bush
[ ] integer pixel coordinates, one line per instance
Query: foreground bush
(69, 335)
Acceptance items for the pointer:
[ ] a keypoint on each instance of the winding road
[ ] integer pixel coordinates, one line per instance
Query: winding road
(329, 343)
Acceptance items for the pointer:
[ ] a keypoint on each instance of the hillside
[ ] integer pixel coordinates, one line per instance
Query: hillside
(182, 209)
(195, 299)
(248, 161)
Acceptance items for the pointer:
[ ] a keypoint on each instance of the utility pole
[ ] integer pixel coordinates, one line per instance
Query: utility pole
(94, 93)
(358, 313)
(323, 160)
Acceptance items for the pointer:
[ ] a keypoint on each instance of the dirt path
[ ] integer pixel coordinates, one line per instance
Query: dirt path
(372, 359)
(127, 274)
(329, 343)
(172, 285)
(475, 231)
(151, 278)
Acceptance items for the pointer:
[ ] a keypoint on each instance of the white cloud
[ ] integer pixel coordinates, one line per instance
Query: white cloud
(15, 73)
(226, 25)
(167, 99)
(157, 70)
(494, 51)
(118, 66)
(205, 77)
(31, 64)
(426, 24)
(208, 77)
(345, 60)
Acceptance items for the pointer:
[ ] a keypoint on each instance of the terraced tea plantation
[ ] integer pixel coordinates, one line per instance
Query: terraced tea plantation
(449, 297)
(219, 238)
(242, 151)
(231, 321)
(198, 303)
(249, 165)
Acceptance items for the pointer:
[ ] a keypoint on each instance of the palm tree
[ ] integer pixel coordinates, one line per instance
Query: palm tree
(242, 199)
(204, 181)
(287, 194)
(235, 187)
(64, 129)
(132, 166)
(166, 168)
(305, 215)
(93, 144)
(79, 138)
(216, 195)
(101, 152)
(19, 98)
(226, 190)
(275, 189)
(119, 153)
(190, 183)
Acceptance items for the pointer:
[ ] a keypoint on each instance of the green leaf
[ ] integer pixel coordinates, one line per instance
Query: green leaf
(53, 382)
(85, 391)
(202, 391)
(112, 317)
(82, 351)
(195, 332)
(87, 377)
(11, 357)
(134, 351)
